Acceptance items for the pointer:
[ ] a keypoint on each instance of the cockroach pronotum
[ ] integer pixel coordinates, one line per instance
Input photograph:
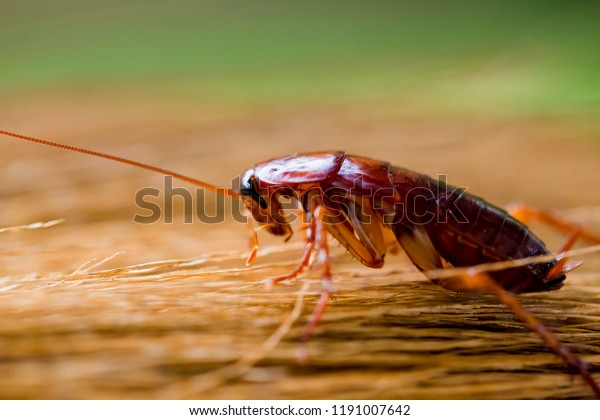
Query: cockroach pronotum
(370, 206)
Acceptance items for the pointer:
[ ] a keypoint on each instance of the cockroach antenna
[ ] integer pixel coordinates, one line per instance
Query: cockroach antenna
(227, 192)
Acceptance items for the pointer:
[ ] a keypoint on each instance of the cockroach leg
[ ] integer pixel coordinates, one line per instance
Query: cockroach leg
(474, 281)
(304, 261)
(418, 247)
(325, 259)
(525, 214)
(575, 230)
(562, 266)
(370, 254)
(253, 243)
(367, 227)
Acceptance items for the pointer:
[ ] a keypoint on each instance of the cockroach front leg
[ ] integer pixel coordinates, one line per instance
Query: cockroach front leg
(477, 282)
(253, 243)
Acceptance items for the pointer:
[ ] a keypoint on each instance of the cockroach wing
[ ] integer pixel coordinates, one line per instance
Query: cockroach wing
(300, 168)
(360, 173)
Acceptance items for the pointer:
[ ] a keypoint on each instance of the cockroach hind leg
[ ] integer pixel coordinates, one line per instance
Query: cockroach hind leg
(576, 231)
(562, 267)
(473, 280)
(526, 214)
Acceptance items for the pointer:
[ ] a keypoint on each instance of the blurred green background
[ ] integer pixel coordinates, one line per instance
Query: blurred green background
(491, 57)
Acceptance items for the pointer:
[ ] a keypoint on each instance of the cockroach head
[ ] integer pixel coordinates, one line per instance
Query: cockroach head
(264, 207)
(249, 190)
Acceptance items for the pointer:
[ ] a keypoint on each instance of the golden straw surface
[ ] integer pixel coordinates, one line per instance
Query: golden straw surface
(101, 307)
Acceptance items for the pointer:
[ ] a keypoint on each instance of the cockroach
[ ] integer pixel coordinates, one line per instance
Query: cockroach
(370, 206)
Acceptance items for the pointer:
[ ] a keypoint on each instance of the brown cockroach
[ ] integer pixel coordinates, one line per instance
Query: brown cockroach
(370, 206)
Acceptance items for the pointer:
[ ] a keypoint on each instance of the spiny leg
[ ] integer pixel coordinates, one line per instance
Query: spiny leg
(526, 214)
(576, 231)
(340, 227)
(321, 238)
(304, 261)
(561, 266)
(425, 256)
(253, 243)
(349, 233)
(343, 231)
(475, 281)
